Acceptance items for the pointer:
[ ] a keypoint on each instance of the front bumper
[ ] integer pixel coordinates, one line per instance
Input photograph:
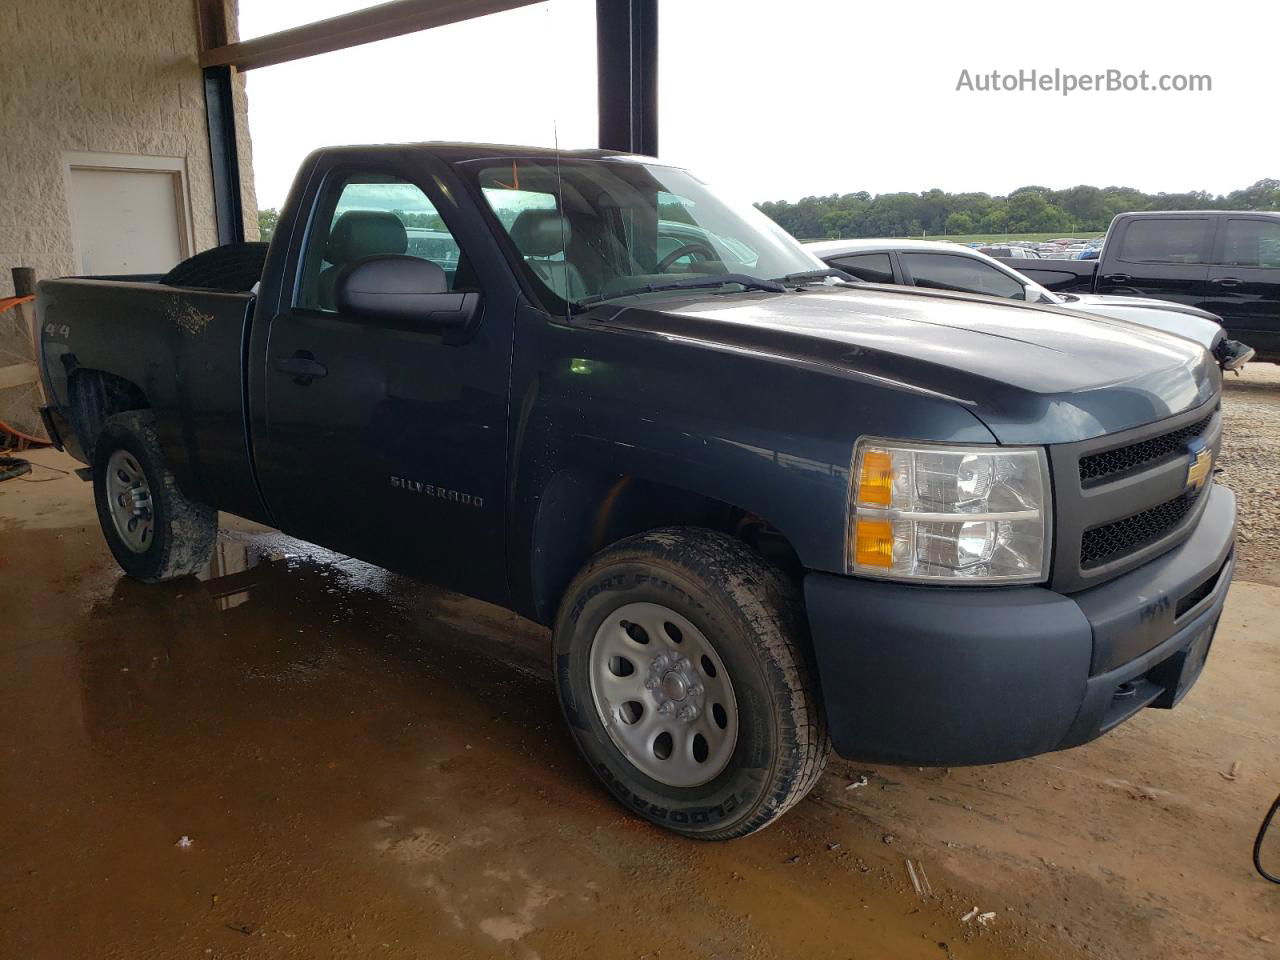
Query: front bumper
(948, 676)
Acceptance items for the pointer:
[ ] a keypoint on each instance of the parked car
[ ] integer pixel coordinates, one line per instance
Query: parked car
(947, 266)
(1013, 253)
(1226, 262)
(763, 510)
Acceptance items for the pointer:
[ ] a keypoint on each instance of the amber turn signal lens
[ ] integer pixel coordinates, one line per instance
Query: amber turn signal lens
(875, 483)
(873, 543)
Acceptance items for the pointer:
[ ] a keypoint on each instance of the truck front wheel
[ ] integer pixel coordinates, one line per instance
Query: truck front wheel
(680, 669)
(154, 532)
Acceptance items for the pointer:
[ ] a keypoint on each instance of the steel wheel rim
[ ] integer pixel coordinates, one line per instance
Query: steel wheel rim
(675, 692)
(129, 501)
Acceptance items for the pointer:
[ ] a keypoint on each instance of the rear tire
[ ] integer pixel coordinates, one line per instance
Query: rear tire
(154, 532)
(683, 633)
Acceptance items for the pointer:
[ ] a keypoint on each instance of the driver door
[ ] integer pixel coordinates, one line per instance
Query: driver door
(387, 440)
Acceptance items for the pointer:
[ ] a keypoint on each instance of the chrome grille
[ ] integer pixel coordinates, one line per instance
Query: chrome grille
(1109, 464)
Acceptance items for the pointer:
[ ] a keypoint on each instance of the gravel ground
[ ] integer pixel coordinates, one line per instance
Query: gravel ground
(1251, 465)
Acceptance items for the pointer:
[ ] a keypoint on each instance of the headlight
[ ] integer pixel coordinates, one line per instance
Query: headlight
(920, 511)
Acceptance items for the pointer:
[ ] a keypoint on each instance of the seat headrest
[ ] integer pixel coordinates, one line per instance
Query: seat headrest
(365, 233)
(540, 233)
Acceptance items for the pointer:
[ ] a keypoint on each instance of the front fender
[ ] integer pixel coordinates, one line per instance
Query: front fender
(771, 437)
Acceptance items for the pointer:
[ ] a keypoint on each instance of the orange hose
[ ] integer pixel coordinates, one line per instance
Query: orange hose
(7, 303)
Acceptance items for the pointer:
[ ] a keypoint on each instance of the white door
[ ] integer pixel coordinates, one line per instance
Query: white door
(127, 221)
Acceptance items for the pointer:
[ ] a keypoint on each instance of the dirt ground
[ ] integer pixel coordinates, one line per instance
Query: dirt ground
(1251, 467)
(368, 767)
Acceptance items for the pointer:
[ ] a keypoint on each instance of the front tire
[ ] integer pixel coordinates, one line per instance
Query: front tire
(682, 675)
(154, 532)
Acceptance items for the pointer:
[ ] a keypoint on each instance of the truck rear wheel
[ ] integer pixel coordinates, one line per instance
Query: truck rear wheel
(154, 532)
(682, 675)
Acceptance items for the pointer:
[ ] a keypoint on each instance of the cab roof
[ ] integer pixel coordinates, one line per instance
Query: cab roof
(460, 152)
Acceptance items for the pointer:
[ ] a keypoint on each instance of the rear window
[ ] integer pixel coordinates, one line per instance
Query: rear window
(1251, 243)
(1163, 240)
(871, 267)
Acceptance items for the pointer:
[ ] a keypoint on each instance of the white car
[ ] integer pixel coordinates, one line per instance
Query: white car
(950, 266)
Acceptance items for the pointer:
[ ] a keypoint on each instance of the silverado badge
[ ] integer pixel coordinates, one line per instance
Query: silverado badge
(1201, 465)
(431, 490)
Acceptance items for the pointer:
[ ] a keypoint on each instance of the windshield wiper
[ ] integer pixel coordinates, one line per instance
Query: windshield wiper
(808, 276)
(692, 283)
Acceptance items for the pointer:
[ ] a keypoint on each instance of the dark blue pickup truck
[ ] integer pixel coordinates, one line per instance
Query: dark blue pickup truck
(764, 509)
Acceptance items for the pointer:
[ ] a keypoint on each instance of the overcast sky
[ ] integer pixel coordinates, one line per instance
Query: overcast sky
(775, 101)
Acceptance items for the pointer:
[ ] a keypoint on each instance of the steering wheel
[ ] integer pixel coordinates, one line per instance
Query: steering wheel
(684, 250)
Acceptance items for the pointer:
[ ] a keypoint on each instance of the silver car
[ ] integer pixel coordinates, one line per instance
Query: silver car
(939, 265)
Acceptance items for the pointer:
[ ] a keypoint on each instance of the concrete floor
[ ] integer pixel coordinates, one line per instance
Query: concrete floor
(366, 766)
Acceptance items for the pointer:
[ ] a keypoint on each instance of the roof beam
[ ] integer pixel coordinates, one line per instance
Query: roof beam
(385, 20)
(627, 74)
(215, 23)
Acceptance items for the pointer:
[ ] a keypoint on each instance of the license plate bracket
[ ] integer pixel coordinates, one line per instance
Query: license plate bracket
(1179, 673)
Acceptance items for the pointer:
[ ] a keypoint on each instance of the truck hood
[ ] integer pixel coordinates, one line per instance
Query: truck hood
(1032, 374)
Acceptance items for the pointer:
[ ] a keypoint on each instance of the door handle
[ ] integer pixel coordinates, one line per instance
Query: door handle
(1117, 278)
(1227, 281)
(302, 366)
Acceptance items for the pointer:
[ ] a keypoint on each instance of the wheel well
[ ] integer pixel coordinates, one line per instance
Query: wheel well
(94, 396)
(582, 512)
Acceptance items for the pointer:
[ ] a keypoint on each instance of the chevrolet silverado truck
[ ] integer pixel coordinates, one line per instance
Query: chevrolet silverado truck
(763, 510)
(1225, 262)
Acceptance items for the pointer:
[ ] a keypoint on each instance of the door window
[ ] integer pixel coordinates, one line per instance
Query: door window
(871, 267)
(944, 271)
(368, 215)
(1164, 240)
(1251, 243)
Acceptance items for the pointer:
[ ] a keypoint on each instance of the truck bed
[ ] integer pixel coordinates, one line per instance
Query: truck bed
(183, 347)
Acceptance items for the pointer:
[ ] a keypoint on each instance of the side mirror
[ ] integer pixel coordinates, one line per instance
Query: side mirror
(402, 290)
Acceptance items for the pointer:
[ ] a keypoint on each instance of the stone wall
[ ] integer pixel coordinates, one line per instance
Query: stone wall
(109, 76)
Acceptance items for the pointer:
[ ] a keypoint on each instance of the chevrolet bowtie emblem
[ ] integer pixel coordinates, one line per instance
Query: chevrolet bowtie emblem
(1201, 465)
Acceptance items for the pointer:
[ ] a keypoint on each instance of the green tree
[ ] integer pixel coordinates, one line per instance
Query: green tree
(1084, 205)
(1263, 195)
(428, 221)
(1081, 210)
(960, 222)
(996, 218)
(1030, 212)
(267, 220)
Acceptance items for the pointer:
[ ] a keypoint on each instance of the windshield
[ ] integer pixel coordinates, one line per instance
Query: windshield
(590, 229)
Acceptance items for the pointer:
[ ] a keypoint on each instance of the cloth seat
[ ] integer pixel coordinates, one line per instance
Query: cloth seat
(543, 238)
(358, 234)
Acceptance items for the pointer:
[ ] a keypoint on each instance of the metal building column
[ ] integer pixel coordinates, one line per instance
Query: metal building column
(224, 153)
(627, 74)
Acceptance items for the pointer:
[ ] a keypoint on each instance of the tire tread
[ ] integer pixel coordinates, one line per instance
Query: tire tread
(193, 527)
(770, 607)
